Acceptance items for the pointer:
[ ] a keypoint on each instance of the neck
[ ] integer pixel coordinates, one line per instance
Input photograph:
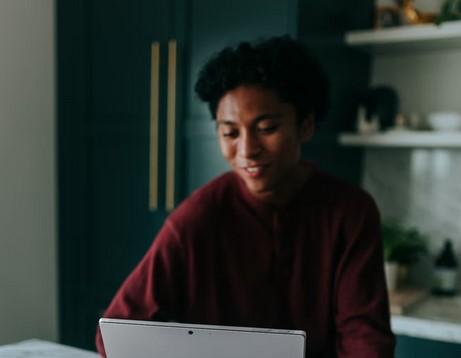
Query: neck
(283, 195)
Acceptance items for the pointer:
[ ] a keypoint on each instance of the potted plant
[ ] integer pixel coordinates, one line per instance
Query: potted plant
(402, 247)
(450, 11)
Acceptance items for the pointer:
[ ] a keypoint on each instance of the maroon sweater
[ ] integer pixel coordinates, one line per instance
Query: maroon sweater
(224, 258)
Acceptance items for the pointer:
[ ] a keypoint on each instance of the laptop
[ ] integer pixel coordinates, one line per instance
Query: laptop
(147, 339)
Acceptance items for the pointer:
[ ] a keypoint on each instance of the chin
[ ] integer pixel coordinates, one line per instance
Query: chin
(259, 190)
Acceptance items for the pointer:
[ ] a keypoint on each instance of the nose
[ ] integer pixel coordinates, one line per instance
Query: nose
(249, 145)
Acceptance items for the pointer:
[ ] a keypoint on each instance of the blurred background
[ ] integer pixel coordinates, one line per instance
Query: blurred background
(101, 136)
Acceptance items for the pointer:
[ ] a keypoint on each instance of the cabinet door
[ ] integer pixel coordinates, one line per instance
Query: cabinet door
(106, 165)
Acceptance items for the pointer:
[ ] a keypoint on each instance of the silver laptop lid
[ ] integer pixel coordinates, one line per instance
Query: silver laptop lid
(146, 339)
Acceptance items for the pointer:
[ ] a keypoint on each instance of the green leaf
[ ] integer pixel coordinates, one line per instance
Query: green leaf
(401, 244)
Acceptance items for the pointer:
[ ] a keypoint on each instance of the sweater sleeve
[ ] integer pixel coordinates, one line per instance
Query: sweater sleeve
(361, 301)
(153, 290)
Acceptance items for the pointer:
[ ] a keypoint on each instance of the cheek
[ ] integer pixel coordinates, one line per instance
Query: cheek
(288, 149)
(226, 149)
(277, 143)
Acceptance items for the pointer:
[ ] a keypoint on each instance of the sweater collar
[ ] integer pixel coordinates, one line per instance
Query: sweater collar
(307, 195)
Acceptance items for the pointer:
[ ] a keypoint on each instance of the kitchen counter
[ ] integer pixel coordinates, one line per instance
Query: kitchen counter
(36, 348)
(434, 318)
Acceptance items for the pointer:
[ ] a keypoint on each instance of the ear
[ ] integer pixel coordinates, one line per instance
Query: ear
(307, 128)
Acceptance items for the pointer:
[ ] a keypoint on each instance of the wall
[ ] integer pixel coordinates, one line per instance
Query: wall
(420, 187)
(28, 297)
(426, 81)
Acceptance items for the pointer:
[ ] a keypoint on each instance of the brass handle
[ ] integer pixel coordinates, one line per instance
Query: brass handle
(154, 116)
(171, 126)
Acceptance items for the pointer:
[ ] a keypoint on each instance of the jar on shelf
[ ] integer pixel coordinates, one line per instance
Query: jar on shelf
(445, 271)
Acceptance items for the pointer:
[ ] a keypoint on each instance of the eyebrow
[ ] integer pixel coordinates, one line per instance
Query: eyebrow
(260, 118)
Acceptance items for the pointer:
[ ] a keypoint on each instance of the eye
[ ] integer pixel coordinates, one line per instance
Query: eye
(267, 129)
(230, 133)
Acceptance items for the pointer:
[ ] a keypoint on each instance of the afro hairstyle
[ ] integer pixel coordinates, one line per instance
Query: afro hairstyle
(280, 64)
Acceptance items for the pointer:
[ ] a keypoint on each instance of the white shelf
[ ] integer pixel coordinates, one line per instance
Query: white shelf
(422, 37)
(412, 139)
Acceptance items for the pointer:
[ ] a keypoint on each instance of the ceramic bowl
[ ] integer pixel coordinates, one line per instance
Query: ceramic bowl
(444, 121)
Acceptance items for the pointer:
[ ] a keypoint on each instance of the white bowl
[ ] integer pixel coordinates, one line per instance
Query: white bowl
(444, 121)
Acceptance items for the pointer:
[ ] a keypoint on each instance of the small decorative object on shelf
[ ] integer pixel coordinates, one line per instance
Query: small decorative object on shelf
(402, 248)
(444, 121)
(450, 11)
(414, 121)
(400, 123)
(445, 271)
(387, 15)
(410, 15)
(391, 13)
(409, 123)
(365, 125)
(378, 107)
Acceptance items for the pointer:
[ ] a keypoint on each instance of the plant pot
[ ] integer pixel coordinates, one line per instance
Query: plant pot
(402, 275)
(391, 270)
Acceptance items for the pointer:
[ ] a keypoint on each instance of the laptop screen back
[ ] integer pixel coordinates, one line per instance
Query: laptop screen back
(144, 339)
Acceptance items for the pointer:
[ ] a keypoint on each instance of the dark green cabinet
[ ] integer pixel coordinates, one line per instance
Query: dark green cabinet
(105, 118)
(107, 155)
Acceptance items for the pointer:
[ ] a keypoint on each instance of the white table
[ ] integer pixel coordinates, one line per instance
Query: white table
(35, 348)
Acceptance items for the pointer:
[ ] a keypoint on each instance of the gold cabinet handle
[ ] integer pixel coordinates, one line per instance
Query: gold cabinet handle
(171, 126)
(154, 116)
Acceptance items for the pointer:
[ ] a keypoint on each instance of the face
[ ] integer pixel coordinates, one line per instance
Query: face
(260, 138)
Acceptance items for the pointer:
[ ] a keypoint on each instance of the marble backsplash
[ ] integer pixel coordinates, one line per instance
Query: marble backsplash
(421, 188)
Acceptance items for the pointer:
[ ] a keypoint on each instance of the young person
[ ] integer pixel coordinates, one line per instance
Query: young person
(275, 242)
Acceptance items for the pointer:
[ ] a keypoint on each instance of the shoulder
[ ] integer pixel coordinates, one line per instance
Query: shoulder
(357, 209)
(345, 204)
(340, 193)
(350, 211)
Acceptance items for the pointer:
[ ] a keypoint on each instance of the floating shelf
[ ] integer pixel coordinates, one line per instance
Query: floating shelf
(412, 139)
(416, 37)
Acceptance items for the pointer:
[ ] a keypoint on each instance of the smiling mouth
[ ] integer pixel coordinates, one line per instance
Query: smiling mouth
(254, 170)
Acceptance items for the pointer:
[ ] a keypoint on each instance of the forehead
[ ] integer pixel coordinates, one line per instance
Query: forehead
(250, 101)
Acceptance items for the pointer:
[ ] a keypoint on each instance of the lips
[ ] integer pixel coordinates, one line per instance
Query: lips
(254, 170)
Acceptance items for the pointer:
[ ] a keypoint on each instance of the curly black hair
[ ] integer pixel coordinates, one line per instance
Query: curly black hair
(280, 64)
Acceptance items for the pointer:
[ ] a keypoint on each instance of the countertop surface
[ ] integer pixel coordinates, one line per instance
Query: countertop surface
(35, 348)
(436, 318)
